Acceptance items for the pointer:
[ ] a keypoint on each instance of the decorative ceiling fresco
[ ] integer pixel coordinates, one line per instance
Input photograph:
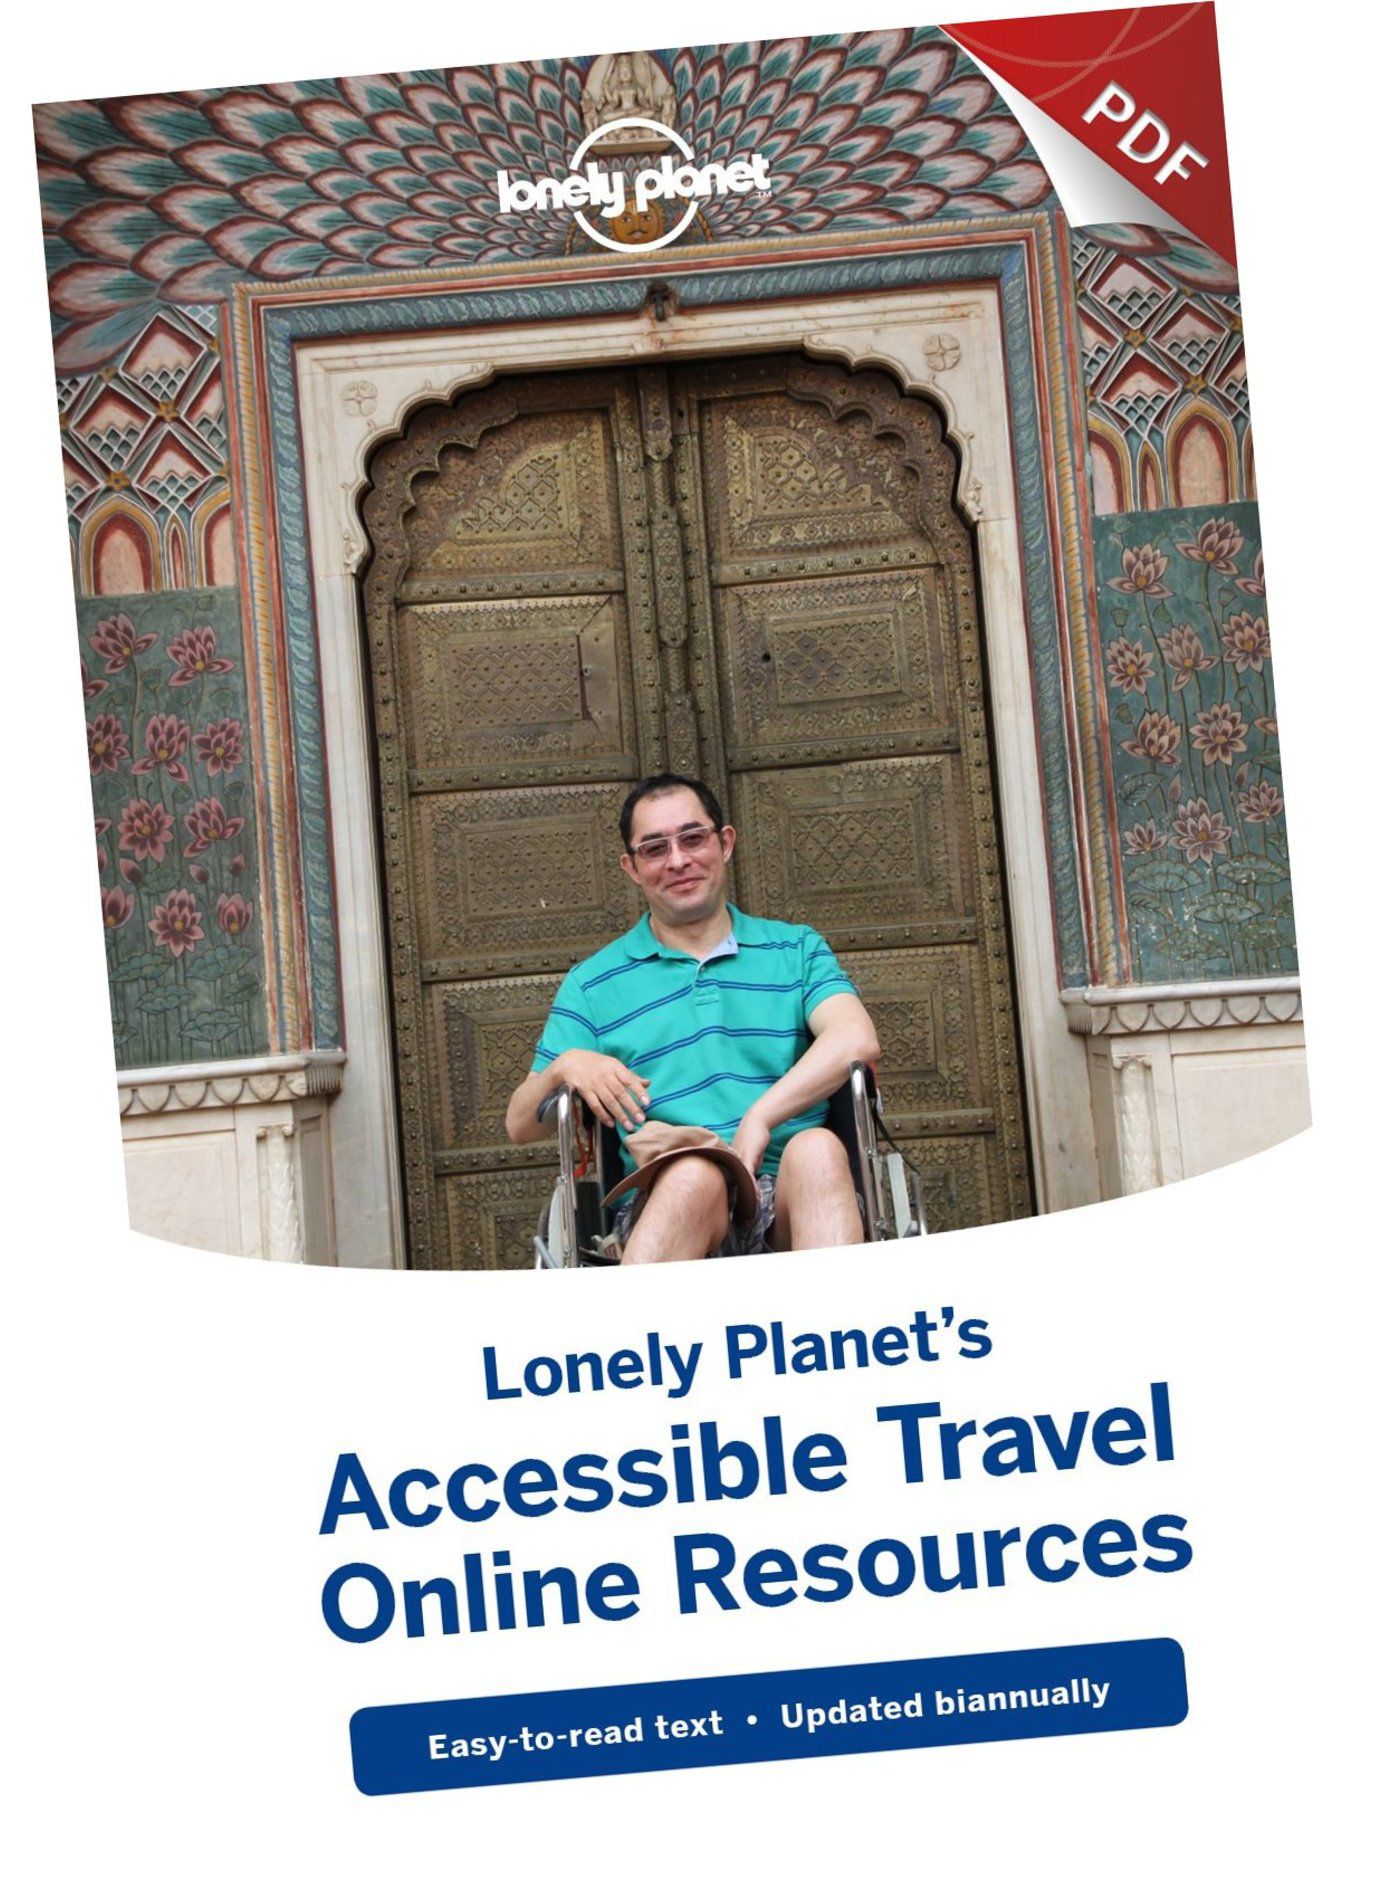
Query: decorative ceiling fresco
(168, 199)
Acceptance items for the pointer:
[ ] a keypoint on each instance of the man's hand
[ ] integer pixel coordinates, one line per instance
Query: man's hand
(751, 1142)
(613, 1093)
(654, 1139)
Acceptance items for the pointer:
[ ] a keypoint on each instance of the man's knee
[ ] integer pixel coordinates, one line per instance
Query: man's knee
(816, 1198)
(815, 1157)
(687, 1203)
(692, 1181)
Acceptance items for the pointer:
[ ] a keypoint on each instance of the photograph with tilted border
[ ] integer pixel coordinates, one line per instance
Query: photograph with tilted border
(675, 665)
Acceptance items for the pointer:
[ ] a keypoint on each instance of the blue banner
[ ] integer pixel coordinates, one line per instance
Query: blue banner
(767, 1716)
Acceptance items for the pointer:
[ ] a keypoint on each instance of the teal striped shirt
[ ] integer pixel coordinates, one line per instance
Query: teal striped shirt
(711, 1035)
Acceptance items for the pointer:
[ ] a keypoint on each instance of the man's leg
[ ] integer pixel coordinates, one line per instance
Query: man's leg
(816, 1198)
(685, 1216)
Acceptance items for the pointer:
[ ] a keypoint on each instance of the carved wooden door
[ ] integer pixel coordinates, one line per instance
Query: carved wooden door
(837, 592)
(753, 571)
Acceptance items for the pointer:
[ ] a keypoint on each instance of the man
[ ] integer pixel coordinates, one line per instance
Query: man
(702, 1015)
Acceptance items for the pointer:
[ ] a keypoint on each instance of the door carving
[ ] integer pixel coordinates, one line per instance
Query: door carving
(753, 570)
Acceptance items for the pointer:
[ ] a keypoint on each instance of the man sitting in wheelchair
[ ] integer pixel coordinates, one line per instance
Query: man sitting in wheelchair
(703, 1025)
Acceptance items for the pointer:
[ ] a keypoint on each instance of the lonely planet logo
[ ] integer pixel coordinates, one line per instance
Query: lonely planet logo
(634, 206)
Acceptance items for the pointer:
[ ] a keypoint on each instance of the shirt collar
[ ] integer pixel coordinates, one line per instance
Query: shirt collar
(745, 929)
(722, 949)
(642, 944)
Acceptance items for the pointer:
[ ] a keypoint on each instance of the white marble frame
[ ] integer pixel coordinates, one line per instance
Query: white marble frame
(944, 343)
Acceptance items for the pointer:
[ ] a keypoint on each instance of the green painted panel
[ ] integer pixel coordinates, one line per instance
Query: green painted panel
(1196, 772)
(167, 714)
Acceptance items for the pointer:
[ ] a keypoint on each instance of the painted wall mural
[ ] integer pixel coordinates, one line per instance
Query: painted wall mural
(145, 461)
(161, 201)
(155, 206)
(174, 820)
(1197, 778)
(1164, 371)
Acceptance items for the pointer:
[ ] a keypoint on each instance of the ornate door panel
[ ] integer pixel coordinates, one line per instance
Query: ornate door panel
(845, 634)
(516, 687)
(753, 569)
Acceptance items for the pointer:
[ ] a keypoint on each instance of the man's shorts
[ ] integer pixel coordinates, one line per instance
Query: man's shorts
(743, 1236)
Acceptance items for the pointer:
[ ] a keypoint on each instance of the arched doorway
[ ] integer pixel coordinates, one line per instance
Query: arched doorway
(755, 570)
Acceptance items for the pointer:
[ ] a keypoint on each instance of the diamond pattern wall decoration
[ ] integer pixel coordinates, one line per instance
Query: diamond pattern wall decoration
(146, 439)
(1164, 370)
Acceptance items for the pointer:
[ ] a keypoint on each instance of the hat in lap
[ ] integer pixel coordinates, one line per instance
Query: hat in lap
(742, 1187)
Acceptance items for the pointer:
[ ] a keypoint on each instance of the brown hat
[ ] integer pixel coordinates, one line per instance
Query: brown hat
(742, 1187)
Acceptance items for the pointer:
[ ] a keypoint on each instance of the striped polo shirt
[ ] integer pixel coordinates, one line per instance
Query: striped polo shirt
(712, 1034)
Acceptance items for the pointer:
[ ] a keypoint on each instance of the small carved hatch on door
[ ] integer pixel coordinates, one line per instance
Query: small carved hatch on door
(754, 571)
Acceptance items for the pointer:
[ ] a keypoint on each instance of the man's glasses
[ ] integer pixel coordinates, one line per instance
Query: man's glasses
(654, 849)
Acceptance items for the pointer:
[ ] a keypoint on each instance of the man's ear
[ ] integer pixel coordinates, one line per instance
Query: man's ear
(629, 868)
(728, 835)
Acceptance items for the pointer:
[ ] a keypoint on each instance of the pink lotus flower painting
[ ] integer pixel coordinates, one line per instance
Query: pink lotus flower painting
(1200, 831)
(1143, 839)
(1246, 642)
(107, 745)
(234, 914)
(1129, 666)
(145, 829)
(1143, 569)
(1184, 653)
(1219, 733)
(1158, 739)
(175, 922)
(196, 656)
(173, 811)
(116, 642)
(1216, 545)
(1188, 687)
(167, 739)
(1253, 584)
(220, 747)
(117, 907)
(1261, 803)
(207, 822)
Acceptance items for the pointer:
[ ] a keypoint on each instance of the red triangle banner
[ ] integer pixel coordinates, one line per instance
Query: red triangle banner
(1139, 87)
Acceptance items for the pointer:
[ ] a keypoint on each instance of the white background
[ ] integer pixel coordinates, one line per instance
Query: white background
(172, 1419)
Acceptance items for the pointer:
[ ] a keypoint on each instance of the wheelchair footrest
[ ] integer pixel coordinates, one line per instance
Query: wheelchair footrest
(906, 1193)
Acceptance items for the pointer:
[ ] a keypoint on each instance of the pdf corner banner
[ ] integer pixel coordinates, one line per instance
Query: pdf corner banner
(1139, 87)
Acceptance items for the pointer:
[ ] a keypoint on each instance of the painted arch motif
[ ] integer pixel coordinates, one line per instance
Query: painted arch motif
(145, 456)
(1164, 370)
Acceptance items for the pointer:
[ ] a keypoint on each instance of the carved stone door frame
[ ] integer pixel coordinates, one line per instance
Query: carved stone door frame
(942, 343)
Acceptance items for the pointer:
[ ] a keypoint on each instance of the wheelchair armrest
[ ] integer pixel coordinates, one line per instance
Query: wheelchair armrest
(570, 1117)
(863, 1099)
(564, 1102)
(578, 1185)
(894, 1195)
(561, 1108)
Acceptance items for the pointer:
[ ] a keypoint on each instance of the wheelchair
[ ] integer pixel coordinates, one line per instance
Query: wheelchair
(576, 1230)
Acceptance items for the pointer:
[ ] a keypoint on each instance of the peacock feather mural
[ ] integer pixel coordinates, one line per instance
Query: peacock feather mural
(169, 199)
